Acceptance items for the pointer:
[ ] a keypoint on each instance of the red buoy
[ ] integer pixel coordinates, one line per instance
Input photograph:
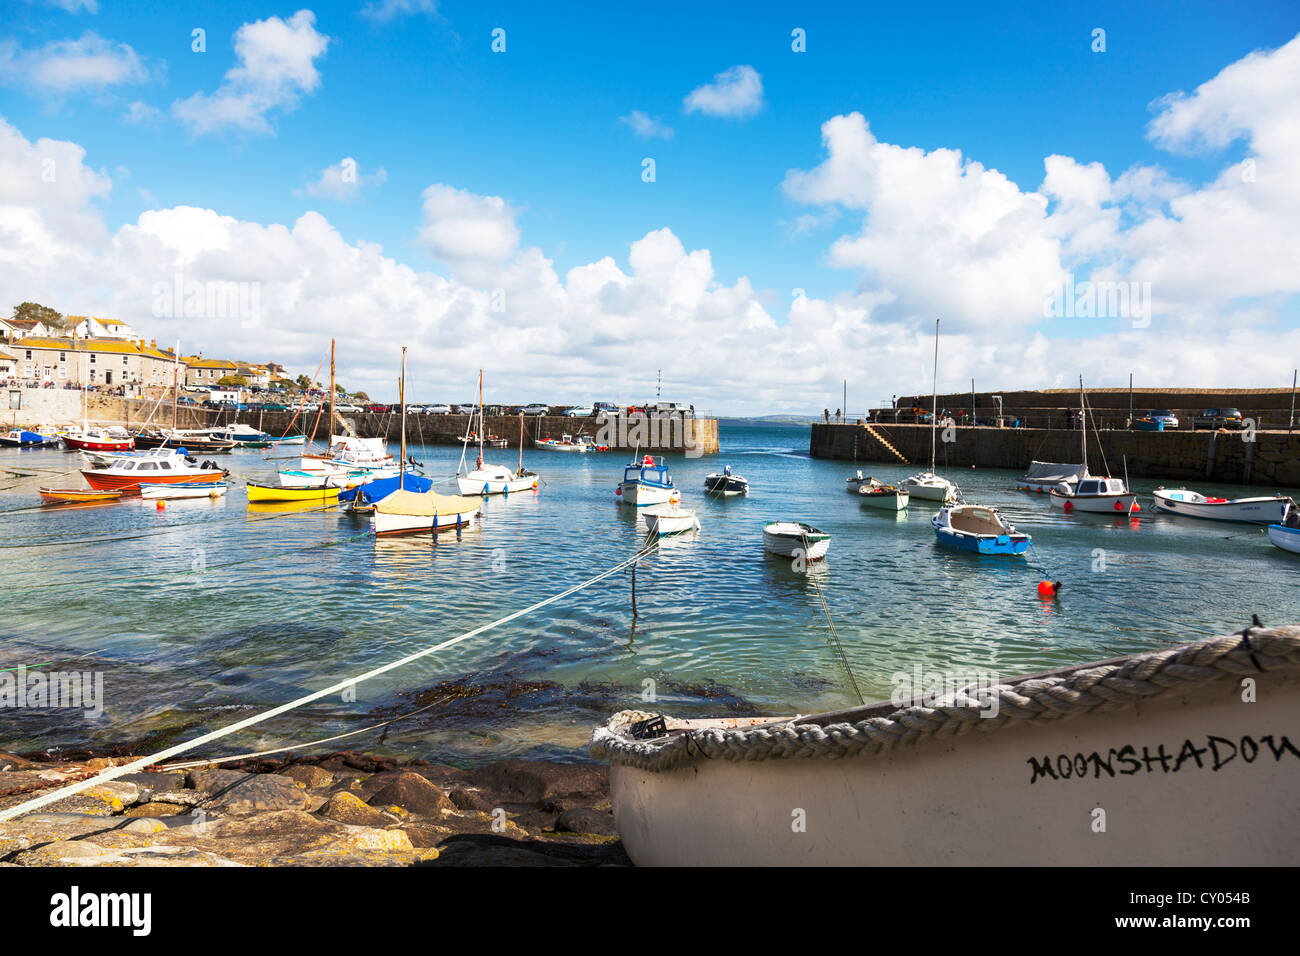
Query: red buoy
(1069, 506)
(162, 506)
(1045, 589)
(1119, 505)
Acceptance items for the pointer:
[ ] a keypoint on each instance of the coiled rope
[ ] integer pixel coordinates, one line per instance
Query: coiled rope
(1141, 677)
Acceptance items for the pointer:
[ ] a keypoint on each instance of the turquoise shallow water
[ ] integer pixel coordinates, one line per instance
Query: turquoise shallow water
(207, 611)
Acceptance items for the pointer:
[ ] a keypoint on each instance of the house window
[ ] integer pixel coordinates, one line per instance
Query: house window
(124, 358)
(92, 358)
(63, 371)
(63, 356)
(29, 355)
(27, 369)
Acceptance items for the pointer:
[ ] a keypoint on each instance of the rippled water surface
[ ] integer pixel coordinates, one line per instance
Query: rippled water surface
(206, 612)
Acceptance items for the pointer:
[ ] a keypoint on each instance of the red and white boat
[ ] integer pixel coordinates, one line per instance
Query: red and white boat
(1092, 493)
(129, 473)
(99, 439)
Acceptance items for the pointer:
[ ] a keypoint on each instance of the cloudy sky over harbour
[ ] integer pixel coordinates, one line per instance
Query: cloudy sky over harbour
(573, 200)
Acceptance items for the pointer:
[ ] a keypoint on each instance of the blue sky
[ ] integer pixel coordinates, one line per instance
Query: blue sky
(422, 96)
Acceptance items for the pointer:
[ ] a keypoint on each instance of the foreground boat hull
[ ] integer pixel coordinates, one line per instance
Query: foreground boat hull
(640, 495)
(983, 543)
(1198, 762)
(1288, 539)
(892, 501)
(1260, 510)
(495, 486)
(391, 524)
(263, 494)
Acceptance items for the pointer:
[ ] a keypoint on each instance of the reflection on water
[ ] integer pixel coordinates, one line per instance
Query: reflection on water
(210, 610)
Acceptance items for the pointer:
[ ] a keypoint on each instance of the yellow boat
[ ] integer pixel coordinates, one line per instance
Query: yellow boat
(264, 494)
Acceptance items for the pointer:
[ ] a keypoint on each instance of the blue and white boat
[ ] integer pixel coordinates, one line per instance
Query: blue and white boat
(1285, 537)
(365, 495)
(183, 489)
(22, 438)
(978, 528)
(647, 483)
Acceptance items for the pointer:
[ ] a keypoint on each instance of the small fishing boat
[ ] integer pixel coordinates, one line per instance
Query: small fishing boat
(726, 484)
(983, 770)
(128, 475)
(978, 528)
(926, 484)
(1270, 509)
(1043, 476)
(185, 489)
(851, 485)
(663, 519)
(495, 441)
(877, 494)
(274, 494)
(67, 496)
(22, 438)
(98, 439)
(246, 436)
(364, 497)
(794, 539)
(196, 442)
(1286, 536)
(567, 443)
(647, 483)
(1095, 495)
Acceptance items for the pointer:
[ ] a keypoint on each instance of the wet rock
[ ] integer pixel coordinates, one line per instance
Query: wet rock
(309, 775)
(586, 820)
(103, 799)
(151, 783)
(535, 781)
(267, 791)
(144, 825)
(10, 761)
(60, 852)
(184, 798)
(214, 781)
(348, 808)
(413, 793)
(464, 799)
(492, 850)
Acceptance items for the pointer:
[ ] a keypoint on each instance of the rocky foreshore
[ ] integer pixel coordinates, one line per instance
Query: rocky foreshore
(343, 809)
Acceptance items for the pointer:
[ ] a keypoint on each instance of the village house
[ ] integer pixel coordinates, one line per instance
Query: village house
(94, 362)
(201, 371)
(8, 363)
(93, 327)
(11, 330)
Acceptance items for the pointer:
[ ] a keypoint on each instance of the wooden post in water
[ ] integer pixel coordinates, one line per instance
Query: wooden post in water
(634, 564)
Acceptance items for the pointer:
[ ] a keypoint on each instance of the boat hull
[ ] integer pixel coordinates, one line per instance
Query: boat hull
(889, 501)
(641, 495)
(670, 521)
(65, 496)
(391, 524)
(102, 480)
(1262, 510)
(89, 444)
(1094, 504)
(470, 485)
(268, 494)
(1179, 767)
(211, 489)
(1288, 539)
(1015, 543)
(811, 547)
(726, 486)
(925, 490)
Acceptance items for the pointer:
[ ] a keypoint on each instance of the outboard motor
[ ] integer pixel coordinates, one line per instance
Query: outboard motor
(209, 464)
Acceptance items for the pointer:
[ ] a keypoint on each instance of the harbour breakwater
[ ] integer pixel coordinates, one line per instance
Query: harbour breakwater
(668, 434)
(1272, 459)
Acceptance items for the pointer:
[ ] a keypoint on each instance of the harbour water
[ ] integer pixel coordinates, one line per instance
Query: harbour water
(209, 611)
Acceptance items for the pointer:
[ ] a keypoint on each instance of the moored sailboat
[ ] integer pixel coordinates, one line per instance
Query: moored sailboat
(1092, 493)
(492, 479)
(926, 485)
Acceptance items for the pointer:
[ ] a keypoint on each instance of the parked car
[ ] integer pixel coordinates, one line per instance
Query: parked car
(466, 409)
(437, 410)
(604, 406)
(348, 408)
(377, 408)
(1217, 418)
(1164, 415)
(582, 411)
(536, 409)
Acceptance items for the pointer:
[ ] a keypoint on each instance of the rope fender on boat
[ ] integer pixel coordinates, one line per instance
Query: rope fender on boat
(1140, 677)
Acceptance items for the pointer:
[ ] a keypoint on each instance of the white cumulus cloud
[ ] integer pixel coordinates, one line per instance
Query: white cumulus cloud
(61, 67)
(736, 93)
(646, 126)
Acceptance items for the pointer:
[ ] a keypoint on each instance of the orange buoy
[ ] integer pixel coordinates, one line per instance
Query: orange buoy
(1136, 507)
(1045, 589)
(162, 506)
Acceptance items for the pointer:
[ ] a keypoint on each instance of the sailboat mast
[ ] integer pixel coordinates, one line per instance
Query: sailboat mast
(1083, 426)
(329, 429)
(176, 383)
(521, 443)
(481, 426)
(934, 395)
(401, 397)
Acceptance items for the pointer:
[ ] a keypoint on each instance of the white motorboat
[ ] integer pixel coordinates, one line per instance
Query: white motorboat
(725, 484)
(1285, 536)
(927, 485)
(794, 539)
(126, 475)
(1043, 476)
(566, 443)
(492, 479)
(978, 528)
(664, 519)
(214, 489)
(350, 452)
(1092, 493)
(647, 483)
(877, 494)
(1270, 509)
(1096, 495)
(1159, 740)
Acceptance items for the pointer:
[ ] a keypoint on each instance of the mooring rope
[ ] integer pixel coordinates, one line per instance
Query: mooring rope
(112, 773)
(835, 637)
(1136, 679)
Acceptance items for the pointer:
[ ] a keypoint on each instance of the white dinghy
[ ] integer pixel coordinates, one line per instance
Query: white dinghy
(1271, 509)
(794, 539)
(877, 494)
(666, 519)
(997, 774)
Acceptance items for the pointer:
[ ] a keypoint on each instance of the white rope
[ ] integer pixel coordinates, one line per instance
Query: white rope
(113, 773)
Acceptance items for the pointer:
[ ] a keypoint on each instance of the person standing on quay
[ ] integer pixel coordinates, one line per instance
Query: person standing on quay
(827, 413)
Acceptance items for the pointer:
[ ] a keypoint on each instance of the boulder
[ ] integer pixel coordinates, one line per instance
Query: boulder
(586, 820)
(413, 793)
(309, 775)
(267, 791)
(348, 808)
(535, 781)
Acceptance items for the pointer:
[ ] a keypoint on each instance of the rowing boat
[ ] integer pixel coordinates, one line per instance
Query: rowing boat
(1270, 509)
(160, 492)
(64, 496)
(1147, 760)
(262, 494)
